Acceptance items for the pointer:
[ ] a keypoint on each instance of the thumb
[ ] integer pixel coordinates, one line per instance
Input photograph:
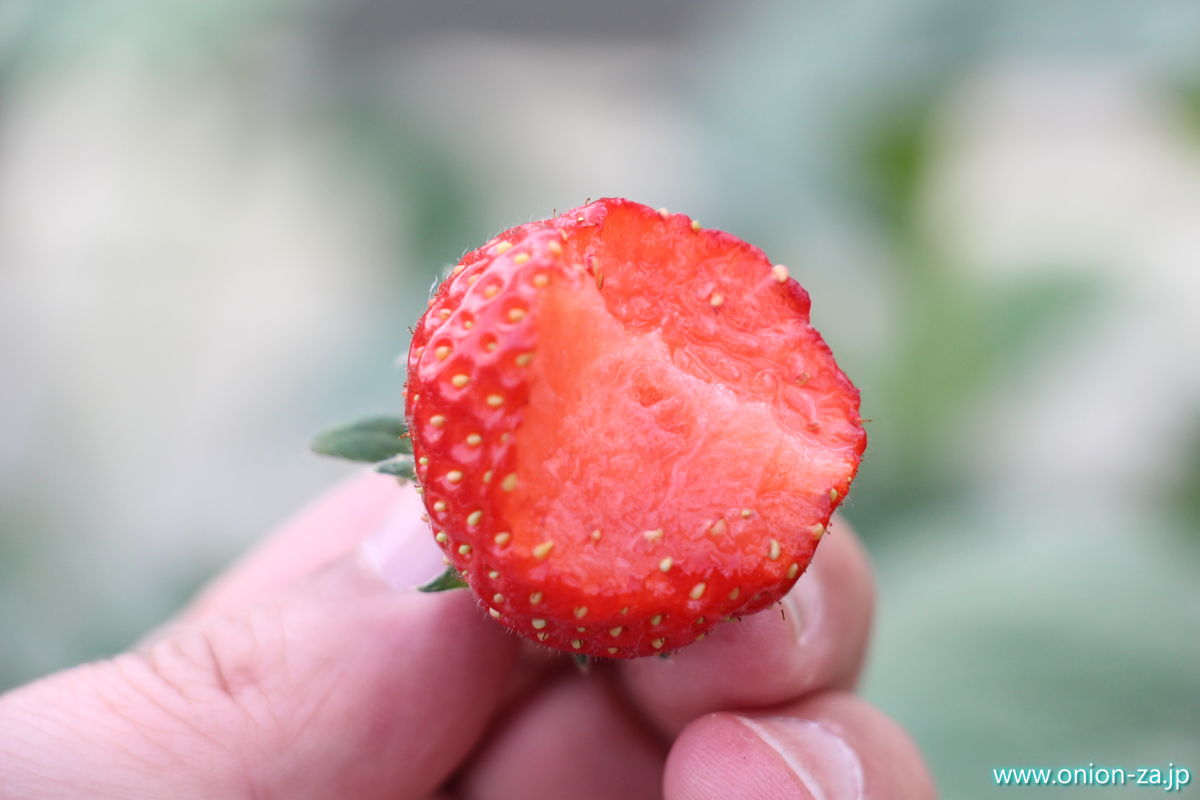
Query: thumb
(347, 683)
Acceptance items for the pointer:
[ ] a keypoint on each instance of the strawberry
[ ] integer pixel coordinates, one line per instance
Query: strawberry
(625, 428)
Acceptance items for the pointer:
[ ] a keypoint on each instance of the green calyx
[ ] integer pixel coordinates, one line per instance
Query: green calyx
(382, 441)
(450, 579)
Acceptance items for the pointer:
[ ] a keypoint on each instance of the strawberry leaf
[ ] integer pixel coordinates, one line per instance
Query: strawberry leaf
(370, 440)
(450, 579)
(401, 466)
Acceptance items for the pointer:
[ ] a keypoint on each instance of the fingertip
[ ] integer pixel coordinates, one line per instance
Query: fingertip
(324, 529)
(815, 639)
(834, 747)
(718, 758)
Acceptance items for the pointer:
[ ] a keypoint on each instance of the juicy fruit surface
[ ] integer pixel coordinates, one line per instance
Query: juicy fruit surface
(626, 429)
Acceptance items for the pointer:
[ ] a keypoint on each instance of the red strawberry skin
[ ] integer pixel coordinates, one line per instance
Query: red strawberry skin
(626, 429)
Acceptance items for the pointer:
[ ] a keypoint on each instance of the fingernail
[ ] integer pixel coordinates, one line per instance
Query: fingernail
(822, 761)
(401, 550)
(802, 606)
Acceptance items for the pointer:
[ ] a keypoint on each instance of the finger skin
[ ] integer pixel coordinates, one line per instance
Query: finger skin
(344, 685)
(328, 527)
(816, 640)
(574, 739)
(833, 746)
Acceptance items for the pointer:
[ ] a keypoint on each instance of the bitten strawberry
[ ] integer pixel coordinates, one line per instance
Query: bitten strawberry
(626, 429)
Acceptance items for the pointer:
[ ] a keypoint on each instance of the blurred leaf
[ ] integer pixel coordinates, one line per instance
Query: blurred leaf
(1035, 309)
(370, 440)
(895, 158)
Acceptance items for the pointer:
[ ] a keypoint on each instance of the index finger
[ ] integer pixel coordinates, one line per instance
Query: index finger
(815, 639)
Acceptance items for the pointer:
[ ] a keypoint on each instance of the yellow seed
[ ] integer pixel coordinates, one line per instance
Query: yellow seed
(437, 420)
(612, 651)
(699, 621)
(774, 550)
(656, 619)
(717, 528)
(543, 636)
(474, 439)
(542, 550)
(510, 482)
(423, 461)
(493, 574)
(494, 613)
(468, 324)
(662, 212)
(454, 475)
(442, 537)
(503, 247)
(576, 644)
(554, 247)
(520, 258)
(833, 495)
(697, 591)
(474, 517)
(817, 530)
(596, 535)
(624, 610)
(535, 598)
(471, 279)
(695, 224)
(599, 278)
(779, 272)
(538, 623)
(665, 564)
(501, 539)
(654, 535)
(497, 598)
(581, 612)
(487, 476)
(582, 630)
(701, 636)
(460, 380)
(495, 400)
(541, 280)
(442, 353)
(793, 571)
(657, 644)
(490, 346)
(516, 314)
(444, 313)
(464, 549)
(439, 505)
(614, 632)
(458, 268)
(491, 291)
(747, 513)
(524, 359)
(716, 300)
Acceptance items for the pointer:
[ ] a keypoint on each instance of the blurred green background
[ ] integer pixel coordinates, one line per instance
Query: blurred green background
(218, 218)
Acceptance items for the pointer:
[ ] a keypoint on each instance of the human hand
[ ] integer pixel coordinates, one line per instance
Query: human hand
(313, 669)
